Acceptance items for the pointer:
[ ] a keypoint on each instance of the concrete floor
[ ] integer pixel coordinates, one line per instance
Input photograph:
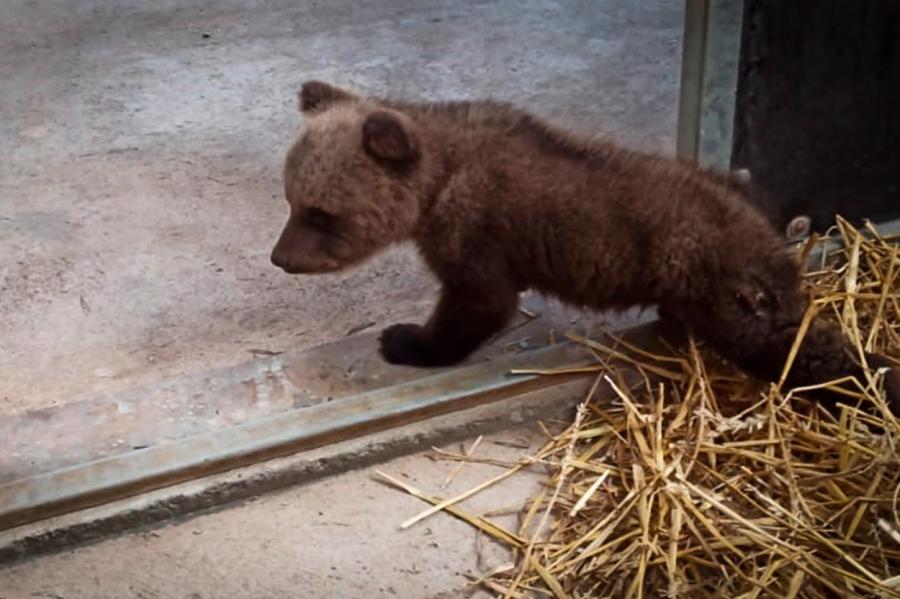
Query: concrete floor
(140, 194)
(140, 188)
(337, 538)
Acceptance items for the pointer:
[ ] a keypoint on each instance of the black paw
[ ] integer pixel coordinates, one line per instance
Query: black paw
(892, 389)
(671, 329)
(404, 344)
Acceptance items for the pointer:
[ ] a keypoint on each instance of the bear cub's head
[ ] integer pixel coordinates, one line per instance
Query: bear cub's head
(353, 181)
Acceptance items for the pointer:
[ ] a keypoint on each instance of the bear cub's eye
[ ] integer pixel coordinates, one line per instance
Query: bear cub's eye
(319, 220)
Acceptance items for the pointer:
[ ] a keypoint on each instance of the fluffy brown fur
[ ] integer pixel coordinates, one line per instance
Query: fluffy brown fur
(498, 201)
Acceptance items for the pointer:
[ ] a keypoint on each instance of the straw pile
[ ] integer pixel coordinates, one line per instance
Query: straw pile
(698, 482)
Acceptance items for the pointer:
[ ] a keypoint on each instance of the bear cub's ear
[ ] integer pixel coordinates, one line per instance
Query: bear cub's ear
(316, 96)
(389, 136)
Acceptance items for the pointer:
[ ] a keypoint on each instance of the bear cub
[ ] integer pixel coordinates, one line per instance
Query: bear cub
(498, 201)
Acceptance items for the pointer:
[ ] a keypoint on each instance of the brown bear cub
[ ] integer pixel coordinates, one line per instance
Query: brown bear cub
(498, 201)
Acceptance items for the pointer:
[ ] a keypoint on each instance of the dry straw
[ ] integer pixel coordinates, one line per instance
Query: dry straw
(695, 481)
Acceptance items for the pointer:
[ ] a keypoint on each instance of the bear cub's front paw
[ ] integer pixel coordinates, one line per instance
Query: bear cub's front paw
(404, 344)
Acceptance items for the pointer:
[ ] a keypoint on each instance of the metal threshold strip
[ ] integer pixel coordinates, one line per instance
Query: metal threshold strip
(38, 497)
